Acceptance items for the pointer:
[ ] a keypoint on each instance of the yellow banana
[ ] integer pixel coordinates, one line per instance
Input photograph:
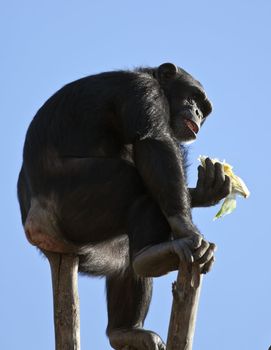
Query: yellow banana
(238, 187)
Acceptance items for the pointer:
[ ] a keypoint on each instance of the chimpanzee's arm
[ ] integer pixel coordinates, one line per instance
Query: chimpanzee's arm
(159, 163)
(145, 121)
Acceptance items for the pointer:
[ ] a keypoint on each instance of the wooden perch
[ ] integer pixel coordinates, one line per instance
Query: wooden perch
(64, 269)
(186, 291)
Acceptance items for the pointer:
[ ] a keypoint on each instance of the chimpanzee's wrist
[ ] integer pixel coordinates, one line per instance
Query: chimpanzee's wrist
(182, 226)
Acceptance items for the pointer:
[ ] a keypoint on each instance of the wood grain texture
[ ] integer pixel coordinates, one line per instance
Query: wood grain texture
(64, 270)
(186, 291)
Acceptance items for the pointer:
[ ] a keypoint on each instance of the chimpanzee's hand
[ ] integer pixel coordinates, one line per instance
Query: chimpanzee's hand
(212, 186)
(195, 249)
(189, 242)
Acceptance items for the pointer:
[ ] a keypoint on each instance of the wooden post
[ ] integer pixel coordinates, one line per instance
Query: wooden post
(186, 291)
(64, 270)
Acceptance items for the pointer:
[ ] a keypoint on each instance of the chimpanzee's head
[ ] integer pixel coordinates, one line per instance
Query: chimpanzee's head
(188, 103)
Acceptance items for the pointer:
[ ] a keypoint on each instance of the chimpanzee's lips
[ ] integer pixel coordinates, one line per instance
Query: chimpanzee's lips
(191, 125)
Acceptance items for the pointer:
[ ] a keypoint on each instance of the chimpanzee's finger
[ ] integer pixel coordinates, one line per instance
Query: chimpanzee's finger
(187, 254)
(208, 254)
(209, 173)
(219, 176)
(227, 186)
(208, 266)
(183, 250)
(184, 253)
(199, 253)
(194, 241)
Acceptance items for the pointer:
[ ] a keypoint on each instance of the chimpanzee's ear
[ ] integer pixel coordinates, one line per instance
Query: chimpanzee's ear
(166, 71)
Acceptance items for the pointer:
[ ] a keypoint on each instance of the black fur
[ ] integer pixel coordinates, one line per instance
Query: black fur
(106, 150)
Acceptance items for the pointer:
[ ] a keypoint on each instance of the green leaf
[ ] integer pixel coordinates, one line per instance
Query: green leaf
(227, 207)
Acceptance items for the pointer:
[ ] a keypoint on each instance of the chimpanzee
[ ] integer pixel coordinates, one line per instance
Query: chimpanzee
(103, 176)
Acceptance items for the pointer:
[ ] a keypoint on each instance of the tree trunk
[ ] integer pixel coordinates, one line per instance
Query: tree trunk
(64, 270)
(186, 291)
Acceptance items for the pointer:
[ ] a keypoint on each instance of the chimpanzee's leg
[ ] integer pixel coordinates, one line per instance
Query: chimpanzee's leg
(147, 225)
(78, 202)
(153, 251)
(128, 299)
(94, 200)
(128, 294)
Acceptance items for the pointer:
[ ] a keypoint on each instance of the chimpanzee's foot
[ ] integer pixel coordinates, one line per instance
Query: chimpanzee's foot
(135, 339)
(158, 260)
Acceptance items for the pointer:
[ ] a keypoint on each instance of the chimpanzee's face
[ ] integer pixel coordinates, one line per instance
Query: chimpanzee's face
(189, 105)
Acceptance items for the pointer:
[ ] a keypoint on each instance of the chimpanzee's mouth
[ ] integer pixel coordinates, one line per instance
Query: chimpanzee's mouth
(191, 125)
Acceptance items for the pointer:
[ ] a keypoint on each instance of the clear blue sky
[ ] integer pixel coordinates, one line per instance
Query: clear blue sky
(227, 46)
